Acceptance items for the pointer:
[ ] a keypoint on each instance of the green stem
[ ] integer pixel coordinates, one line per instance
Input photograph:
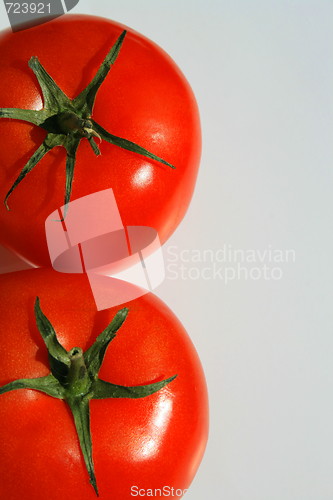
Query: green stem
(74, 378)
(78, 379)
(81, 414)
(68, 121)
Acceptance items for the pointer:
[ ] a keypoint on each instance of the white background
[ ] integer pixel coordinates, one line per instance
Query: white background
(263, 76)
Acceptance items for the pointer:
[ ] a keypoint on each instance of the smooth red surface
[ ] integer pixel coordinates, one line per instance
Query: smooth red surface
(152, 442)
(145, 98)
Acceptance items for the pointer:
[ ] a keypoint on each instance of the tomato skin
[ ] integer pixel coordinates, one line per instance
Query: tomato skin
(149, 442)
(145, 99)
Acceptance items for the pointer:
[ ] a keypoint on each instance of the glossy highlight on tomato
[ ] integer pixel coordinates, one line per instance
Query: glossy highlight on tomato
(145, 98)
(150, 442)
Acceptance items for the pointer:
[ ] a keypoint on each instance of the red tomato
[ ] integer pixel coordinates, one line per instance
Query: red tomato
(145, 99)
(144, 443)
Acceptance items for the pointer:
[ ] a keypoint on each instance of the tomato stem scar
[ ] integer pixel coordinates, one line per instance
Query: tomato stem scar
(68, 121)
(74, 379)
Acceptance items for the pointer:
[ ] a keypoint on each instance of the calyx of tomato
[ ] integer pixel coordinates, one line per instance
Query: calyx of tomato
(74, 379)
(67, 121)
